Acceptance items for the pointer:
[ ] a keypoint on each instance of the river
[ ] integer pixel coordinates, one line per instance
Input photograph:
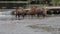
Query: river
(9, 24)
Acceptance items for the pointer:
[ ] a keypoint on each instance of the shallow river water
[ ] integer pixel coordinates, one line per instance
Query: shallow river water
(9, 24)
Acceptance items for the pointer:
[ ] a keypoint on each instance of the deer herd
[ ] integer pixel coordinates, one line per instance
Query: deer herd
(34, 11)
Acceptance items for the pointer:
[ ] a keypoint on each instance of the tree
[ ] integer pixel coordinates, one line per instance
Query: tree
(55, 2)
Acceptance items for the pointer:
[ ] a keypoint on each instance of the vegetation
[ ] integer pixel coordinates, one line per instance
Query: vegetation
(36, 2)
